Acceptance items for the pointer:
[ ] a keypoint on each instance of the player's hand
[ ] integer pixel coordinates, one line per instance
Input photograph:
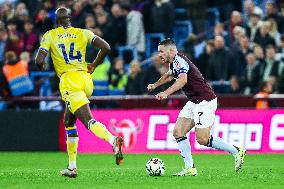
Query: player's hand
(91, 68)
(151, 87)
(161, 96)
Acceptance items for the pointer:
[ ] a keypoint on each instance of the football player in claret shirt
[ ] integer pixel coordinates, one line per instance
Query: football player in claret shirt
(67, 46)
(199, 111)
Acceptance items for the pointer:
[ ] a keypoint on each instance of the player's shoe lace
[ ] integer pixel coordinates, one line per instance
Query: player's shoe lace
(69, 173)
(239, 158)
(191, 171)
(117, 150)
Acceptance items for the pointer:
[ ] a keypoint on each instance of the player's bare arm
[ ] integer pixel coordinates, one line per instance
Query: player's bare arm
(39, 60)
(167, 77)
(104, 50)
(180, 82)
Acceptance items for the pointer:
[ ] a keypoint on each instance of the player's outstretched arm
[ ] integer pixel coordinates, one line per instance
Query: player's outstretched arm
(39, 60)
(167, 77)
(104, 50)
(179, 83)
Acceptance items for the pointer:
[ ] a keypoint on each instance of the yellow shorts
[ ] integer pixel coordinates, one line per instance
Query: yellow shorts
(75, 88)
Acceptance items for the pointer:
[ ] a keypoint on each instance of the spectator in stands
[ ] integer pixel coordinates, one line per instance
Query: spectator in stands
(253, 25)
(280, 83)
(153, 73)
(250, 10)
(26, 57)
(3, 41)
(271, 12)
(262, 101)
(269, 70)
(258, 53)
(135, 83)
(7, 12)
(78, 15)
(188, 46)
(98, 9)
(234, 86)
(220, 30)
(49, 5)
(262, 36)
(21, 15)
(235, 20)
(273, 31)
(239, 55)
(280, 54)
(249, 80)
(106, 4)
(13, 42)
(29, 37)
(2, 25)
(105, 27)
(42, 22)
(119, 25)
(219, 62)
(17, 75)
(117, 77)
(281, 48)
(135, 35)
(202, 62)
(159, 17)
(90, 23)
(238, 33)
(281, 19)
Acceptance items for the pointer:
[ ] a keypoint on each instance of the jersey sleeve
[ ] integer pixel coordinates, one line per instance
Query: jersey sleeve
(90, 35)
(45, 42)
(182, 67)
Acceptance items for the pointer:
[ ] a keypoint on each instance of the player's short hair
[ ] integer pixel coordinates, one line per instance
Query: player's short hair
(168, 42)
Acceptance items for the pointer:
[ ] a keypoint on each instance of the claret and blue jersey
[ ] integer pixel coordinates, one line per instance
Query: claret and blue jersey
(196, 88)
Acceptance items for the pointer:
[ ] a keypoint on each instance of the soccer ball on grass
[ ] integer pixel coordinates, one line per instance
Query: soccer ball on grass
(155, 167)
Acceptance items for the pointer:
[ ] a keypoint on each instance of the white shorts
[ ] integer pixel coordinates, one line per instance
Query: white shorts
(203, 113)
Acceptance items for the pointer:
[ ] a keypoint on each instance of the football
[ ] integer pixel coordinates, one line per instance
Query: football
(155, 167)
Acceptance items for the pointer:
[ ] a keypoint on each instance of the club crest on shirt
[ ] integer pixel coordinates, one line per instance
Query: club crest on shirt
(177, 64)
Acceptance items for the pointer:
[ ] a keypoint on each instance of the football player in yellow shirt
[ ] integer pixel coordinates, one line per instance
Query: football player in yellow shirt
(67, 46)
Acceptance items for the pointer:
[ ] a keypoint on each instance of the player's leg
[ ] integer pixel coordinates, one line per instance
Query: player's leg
(204, 115)
(183, 125)
(204, 137)
(85, 116)
(72, 143)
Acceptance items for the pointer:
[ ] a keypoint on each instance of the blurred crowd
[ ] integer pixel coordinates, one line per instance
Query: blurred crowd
(241, 52)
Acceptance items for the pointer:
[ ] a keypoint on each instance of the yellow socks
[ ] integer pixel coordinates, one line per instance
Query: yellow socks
(100, 131)
(72, 146)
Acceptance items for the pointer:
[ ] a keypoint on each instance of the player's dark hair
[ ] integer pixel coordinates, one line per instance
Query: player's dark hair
(167, 42)
(63, 16)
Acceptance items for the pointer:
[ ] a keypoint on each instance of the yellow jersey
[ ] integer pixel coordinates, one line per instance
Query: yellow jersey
(67, 48)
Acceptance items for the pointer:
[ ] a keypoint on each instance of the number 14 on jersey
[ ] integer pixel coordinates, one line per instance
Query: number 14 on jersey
(71, 55)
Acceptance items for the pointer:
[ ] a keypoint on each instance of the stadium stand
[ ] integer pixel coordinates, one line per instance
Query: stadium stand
(262, 22)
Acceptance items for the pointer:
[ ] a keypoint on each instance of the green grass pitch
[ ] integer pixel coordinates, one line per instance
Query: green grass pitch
(41, 170)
